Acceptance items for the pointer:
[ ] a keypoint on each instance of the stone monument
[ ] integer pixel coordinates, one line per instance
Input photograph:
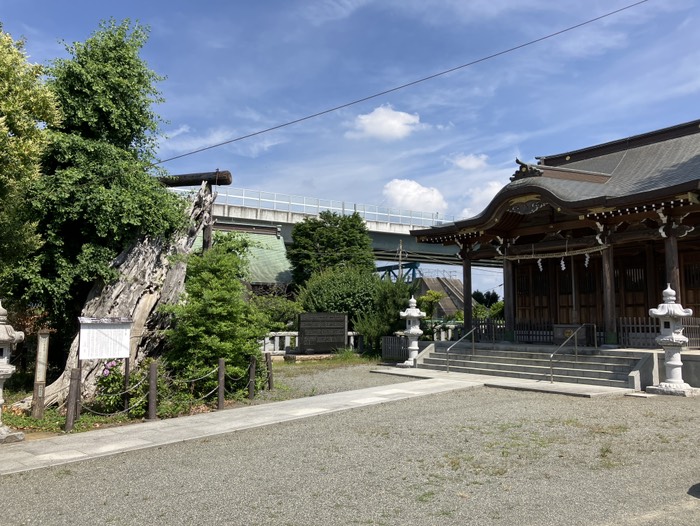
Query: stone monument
(8, 339)
(413, 316)
(673, 341)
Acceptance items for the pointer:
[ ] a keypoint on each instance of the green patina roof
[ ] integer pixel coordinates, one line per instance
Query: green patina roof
(268, 258)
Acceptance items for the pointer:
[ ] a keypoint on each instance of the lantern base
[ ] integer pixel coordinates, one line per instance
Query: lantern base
(7, 436)
(665, 388)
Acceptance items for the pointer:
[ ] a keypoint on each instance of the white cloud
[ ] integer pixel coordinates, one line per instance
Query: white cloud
(183, 139)
(470, 162)
(184, 128)
(479, 197)
(319, 13)
(384, 123)
(411, 195)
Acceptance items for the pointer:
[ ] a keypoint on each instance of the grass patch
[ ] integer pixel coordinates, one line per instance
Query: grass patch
(426, 497)
(54, 422)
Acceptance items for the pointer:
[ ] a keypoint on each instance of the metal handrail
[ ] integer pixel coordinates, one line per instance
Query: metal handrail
(572, 335)
(447, 360)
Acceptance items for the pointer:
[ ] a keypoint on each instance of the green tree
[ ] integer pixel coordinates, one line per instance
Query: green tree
(391, 298)
(26, 107)
(281, 312)
(215, 320)
(96, 196)
(326, 241)
(487, 298)
(428, 302)
(350, 290)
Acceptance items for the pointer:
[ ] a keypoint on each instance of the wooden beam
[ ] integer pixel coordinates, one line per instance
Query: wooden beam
(218, 177)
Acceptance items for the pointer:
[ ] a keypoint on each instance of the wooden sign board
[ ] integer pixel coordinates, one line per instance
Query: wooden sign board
(104, 338)
(322, 332)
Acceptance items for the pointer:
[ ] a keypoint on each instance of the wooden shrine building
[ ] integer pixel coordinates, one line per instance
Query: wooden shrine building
(592, 235)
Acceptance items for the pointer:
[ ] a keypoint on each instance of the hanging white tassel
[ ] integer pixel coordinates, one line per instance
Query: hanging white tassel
(539, 264)
(563, 264)
(588, 258)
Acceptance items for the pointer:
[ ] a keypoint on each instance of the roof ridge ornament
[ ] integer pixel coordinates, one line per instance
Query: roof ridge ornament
(526, 170)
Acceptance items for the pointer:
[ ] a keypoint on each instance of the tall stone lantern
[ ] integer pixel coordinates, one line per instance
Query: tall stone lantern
(673, 341)
(412, 315)
(8, 339)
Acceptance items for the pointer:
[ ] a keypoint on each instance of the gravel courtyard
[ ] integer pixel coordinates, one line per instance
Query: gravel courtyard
(475, 456)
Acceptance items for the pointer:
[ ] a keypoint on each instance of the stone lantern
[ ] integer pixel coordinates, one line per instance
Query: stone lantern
(672, 340)
(413, 316)
(8, 339)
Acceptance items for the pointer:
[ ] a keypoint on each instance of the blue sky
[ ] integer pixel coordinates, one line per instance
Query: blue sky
(445, 145)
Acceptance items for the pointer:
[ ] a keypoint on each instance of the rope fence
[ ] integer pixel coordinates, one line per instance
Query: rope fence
(151, 396)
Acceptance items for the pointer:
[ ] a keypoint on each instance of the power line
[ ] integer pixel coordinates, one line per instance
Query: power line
(403, 86)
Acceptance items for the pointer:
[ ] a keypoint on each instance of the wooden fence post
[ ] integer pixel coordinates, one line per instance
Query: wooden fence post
(152, 391)
(251, 378)
(222, 384)
(268, 362)
(72, 402)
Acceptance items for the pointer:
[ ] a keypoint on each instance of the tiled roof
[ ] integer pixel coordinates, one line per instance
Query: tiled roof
(603, 174)
(659, 161)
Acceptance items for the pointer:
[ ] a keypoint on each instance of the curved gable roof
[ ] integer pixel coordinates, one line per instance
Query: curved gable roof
(659, 163)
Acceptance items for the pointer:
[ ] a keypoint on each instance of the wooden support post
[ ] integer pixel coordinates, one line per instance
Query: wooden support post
(467, 288)
(42, 353)
(609, 297)
(673, 275)
(251, 378)
(153, 391)
(72, 402)
(509, 300)
(222, 384)
(127, 373)
(268, 363)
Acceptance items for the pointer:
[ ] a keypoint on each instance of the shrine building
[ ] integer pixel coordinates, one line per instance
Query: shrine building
(590, 236)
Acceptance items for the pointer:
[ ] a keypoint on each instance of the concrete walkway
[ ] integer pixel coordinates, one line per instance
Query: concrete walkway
(63, 449)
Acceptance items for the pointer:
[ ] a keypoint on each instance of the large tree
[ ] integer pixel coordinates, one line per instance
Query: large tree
(329, 240)
(97, 194)
(26, 107)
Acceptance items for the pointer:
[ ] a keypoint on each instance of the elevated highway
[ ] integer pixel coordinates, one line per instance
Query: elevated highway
(253, 211)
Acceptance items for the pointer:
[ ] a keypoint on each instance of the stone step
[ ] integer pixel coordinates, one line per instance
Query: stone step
(588, 362)
(530, 368)
(541, 376)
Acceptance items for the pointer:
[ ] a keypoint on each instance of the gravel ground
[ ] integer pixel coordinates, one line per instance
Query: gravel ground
(476, 456)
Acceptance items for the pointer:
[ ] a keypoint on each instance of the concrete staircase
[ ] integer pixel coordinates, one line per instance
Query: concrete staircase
(593, 367)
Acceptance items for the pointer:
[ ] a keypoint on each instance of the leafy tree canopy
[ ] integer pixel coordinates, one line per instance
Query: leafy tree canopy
(350, 290)
(428, 302)
(26, 106)
(327, 241)
(487, 298)
(96, 196)
(383, 319)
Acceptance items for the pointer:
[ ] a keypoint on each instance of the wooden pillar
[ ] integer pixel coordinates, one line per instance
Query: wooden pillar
(650, 272)
(673, 275)
(467, 288)
(609, 297)
(575, 318)
(509, 299)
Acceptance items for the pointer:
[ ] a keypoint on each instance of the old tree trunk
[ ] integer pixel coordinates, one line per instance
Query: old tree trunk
(150, 275)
